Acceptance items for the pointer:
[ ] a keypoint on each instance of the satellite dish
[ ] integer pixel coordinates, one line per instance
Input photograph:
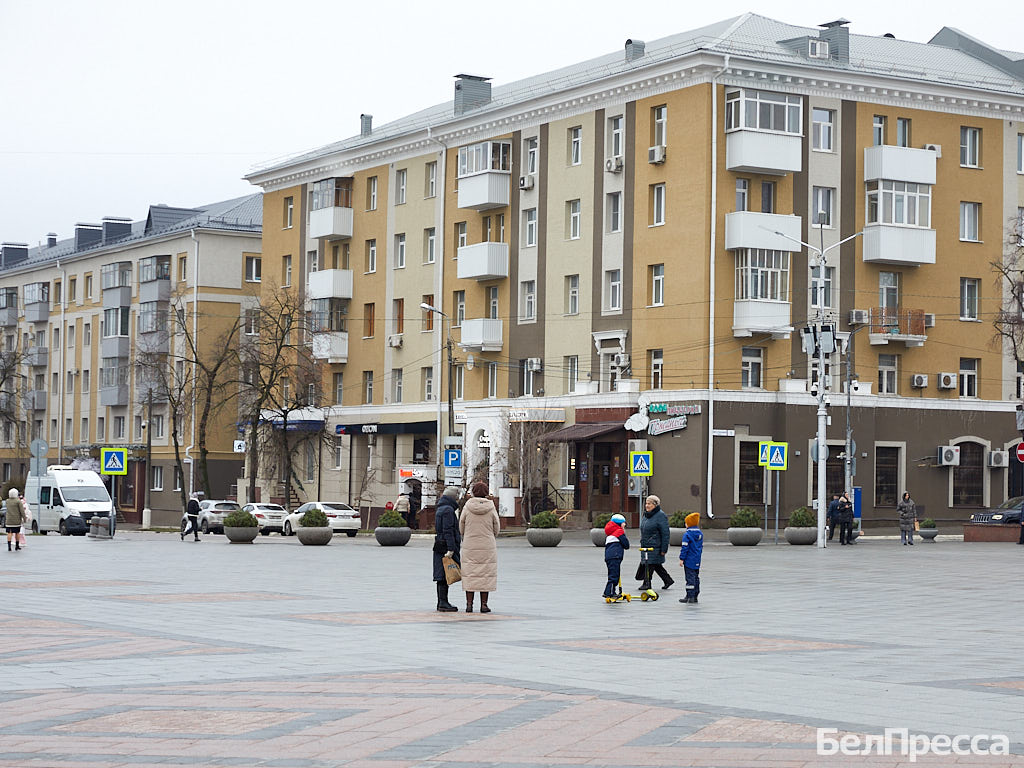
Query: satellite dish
(469, 362)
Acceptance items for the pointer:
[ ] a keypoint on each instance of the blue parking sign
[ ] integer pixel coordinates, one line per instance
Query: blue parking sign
(453, 458)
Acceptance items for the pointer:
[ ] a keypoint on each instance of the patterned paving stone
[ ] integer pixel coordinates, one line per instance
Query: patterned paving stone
(401, 617)
(204, 597)
(699, 645)
(79, 585)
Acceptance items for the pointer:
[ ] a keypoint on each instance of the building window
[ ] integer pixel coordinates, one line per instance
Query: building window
(158, 425)
(657, 285)
(902, 131)
(84, 431)
(115, 322)
(398, 310)
(86, 377)
(614, 211)
(253, 269)
(899, 202)
(400, 251)
(742, 195)
(970, 214)
(119, 425)
(969, 288)
(459, 302)
(528, 299)
(657, 205)
(1020, 153)
(88, 279)
(888, 374)
(615, 144)
(750, 475)
(574, 219)
(752, 363)
(822, 129)
(431, 174)
(878, 130)
(427, 374)
(527, 377)
(887, 475)
(367, 387)
(970, 147)
(656, 359)
(71, 337)
(968, 377)
(493, 305)
(461, 236)
(427, 317)
(968, 478)
(400, 180)
(429, 245)
(371, 193)
(659, 133)
(158, 479)
(613, 289)
(368, 318)
(572, 372)
(530, 227)
(576, 146)
(762, 274)
(572, 294)
(250, 324)
(459, 382)
(72, 289)
(763, 111)
(821, 290)
(889, 290)
(822, 202)
(286, 269)
(289, 212)
(396, 385)
(531, 155)
(338, 380)
(484, 156)
(767, 197)
(371, 256)
(492, 379)
(101, 428)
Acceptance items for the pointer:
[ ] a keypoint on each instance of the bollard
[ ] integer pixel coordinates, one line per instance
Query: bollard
(99, 527)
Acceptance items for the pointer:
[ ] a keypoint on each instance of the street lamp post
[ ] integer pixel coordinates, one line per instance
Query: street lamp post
(451, 411)
(147, 511)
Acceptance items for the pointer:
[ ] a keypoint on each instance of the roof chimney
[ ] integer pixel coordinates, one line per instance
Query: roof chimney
(13, 253)
(115, 227)
(51, 239)
(838, 37)
(471, 91)
(87, 235)
(634, 49)
(365, 125)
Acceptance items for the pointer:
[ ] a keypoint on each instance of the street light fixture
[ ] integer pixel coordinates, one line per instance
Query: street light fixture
(448, 344)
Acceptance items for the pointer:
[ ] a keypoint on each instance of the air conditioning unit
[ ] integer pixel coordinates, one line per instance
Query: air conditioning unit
(919, 380)
(526, 182)
(859, 317)
(613, 164)
(998, 458)
(949, 456)
(395, 340)
(936, 148)
(534, 364)
(656, 154)
(929, 320)
(620, 360)
(947, 381)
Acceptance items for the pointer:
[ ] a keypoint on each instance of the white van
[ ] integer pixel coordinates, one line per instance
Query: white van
(64, 499)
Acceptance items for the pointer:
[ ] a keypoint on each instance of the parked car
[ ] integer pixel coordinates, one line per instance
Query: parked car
(212, 512)
(1006, 513)
(269, 517)
(340, 516)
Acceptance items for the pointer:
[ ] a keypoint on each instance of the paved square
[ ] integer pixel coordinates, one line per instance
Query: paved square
(274, 654)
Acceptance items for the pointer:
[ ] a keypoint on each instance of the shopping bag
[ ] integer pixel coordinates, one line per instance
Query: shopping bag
(21, 540)
(452, 572)
(917, 526)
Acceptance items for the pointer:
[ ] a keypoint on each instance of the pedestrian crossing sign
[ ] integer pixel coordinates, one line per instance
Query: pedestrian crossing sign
(641, 463)
(114, 461)
(773, 455)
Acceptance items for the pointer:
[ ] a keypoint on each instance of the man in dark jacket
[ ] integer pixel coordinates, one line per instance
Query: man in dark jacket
(654, 535)
(831, 516)
(446, 542)
(192, 512)
(845, 513)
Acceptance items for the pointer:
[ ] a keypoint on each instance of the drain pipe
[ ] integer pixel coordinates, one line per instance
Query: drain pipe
(195, 343)
(439, 299)
(711, 284)
(62, 366)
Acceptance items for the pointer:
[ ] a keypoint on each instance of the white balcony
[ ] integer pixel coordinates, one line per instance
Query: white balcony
(330, 284)
(331, 346)
(899, 164)
(483, 261)
(750, 316)
(482, 191)
(482, 333)
(894, 244)
(751, 151)
(747, 229)
(334, 223)
(38, 357)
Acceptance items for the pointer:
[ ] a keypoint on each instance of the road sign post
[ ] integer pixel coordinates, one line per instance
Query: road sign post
(775, 457)
(641, 464)
(1020, 452)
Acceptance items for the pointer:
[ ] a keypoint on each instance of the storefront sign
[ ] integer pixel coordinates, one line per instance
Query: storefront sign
(666, 425)
(536, 414)
(674, 410)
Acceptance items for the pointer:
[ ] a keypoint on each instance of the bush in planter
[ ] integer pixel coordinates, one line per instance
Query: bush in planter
(392, 530)
(928, 523)
(600, 521)
(678, 518)
(545, 519)
(240, 527)
(544, 530)
(801, 517)
(597, 535)
(391, 519)
(239, 519)
(314, 518)
(744, 528)
(802, 527)
(745, 517)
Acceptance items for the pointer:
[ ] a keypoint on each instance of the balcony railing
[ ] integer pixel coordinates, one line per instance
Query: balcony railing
(906, 325)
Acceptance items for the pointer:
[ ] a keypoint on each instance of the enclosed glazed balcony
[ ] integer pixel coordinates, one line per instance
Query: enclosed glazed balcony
(116, 279)
(37, 357)
(115, 346)
(899, 164)
(483, 261)
(35, 400)
(896, 244)
(331, 213)
(763, 131)
(330, 284)
(482, 333)
(750, 316)
(748, 229)
(887, 325)
(331, 346)
(117, 395)
(759, 152)
(8, 306)
(485, 170)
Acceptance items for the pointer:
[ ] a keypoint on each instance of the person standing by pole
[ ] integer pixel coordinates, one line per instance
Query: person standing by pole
(845, 512)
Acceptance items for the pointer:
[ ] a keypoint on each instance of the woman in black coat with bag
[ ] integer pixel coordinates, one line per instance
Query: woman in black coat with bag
(446, 542)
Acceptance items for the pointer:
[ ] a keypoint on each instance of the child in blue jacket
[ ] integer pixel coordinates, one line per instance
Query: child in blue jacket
(689, 557)
(615, 544)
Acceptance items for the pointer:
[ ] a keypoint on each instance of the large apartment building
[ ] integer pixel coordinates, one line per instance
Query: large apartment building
(620, 244)
(93, 325)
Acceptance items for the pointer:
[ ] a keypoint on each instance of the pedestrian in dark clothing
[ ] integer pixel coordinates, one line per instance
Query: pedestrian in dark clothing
(653, 544)
(908, 516)
(845, 515)
(615, 544)
(192, 516)
(689, 556)
(832, 515)
(447, 541)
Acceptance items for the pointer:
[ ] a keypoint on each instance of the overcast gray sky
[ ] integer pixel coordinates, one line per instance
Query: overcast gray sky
(109, 106)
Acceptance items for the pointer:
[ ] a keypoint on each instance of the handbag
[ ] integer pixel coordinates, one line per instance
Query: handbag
(452, 571)
(439, 547)
(917, 526)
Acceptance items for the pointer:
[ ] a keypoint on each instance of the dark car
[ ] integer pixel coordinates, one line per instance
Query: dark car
(1006, 513)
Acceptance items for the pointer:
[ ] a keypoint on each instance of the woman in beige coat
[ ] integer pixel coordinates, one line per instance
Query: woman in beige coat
(479, 527)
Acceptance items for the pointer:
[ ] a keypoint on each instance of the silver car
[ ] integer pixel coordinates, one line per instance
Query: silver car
(212, 512)
(269, 517)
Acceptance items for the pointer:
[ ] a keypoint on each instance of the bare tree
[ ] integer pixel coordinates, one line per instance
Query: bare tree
(525, 460)
(1009, 321)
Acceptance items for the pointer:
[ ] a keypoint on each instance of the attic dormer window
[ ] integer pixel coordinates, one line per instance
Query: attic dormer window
(817, 49)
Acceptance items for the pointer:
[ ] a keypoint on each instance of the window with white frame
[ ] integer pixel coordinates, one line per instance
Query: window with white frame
(528, 300)
(822, 129)
(101, 428)
(657, 361)
(86, 381)
(970, 213)
(250, 324)
(659, 132)
(84, 430)
(371, 256)
(615, 136)
(400, 251)
(1020, 226)
(500, 218)
(614, 211)
(530, 227)
(158, 425)
(119, 427)
(1020, 153)
(427, 378)
(970, 147)
(400, 181)
(371, 193)
(492, 379)
(396, 385)
(289, 212)
(286, 271)
(821, 290)
(899, 202)
(459, 302)
(253, 269)
(657, 204)
(459, 382)
(576, 145)
(968, 377)
(763, 111)
(485, 156)
(338, 382)
(312, 262)
(531, 153)
(888, 374)
(657, 285)
(889, 290)
(461, 236)
(158, 478)
(969, 289)
(527, 378)
(878, 125)
(613, 289)
(572, 372)
(751, 366)
(493, 305)
(762, 274)
(822, 202)
(817, 48)
(902, 131)
(367, 387)
(116, 322)
(429, 245)
(742, 194)
(572, 294)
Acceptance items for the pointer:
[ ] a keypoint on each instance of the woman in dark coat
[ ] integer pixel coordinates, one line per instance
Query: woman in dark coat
(653, 544)
(908, 516)
(446, 541)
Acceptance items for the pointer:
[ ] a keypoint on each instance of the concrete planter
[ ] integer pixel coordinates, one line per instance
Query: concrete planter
(392, 537)
(544, 537)
(928, 534)
(801, 535)
(675, 536)
(241, 535)
(744, 537)
(597, 535)
(314, 536)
